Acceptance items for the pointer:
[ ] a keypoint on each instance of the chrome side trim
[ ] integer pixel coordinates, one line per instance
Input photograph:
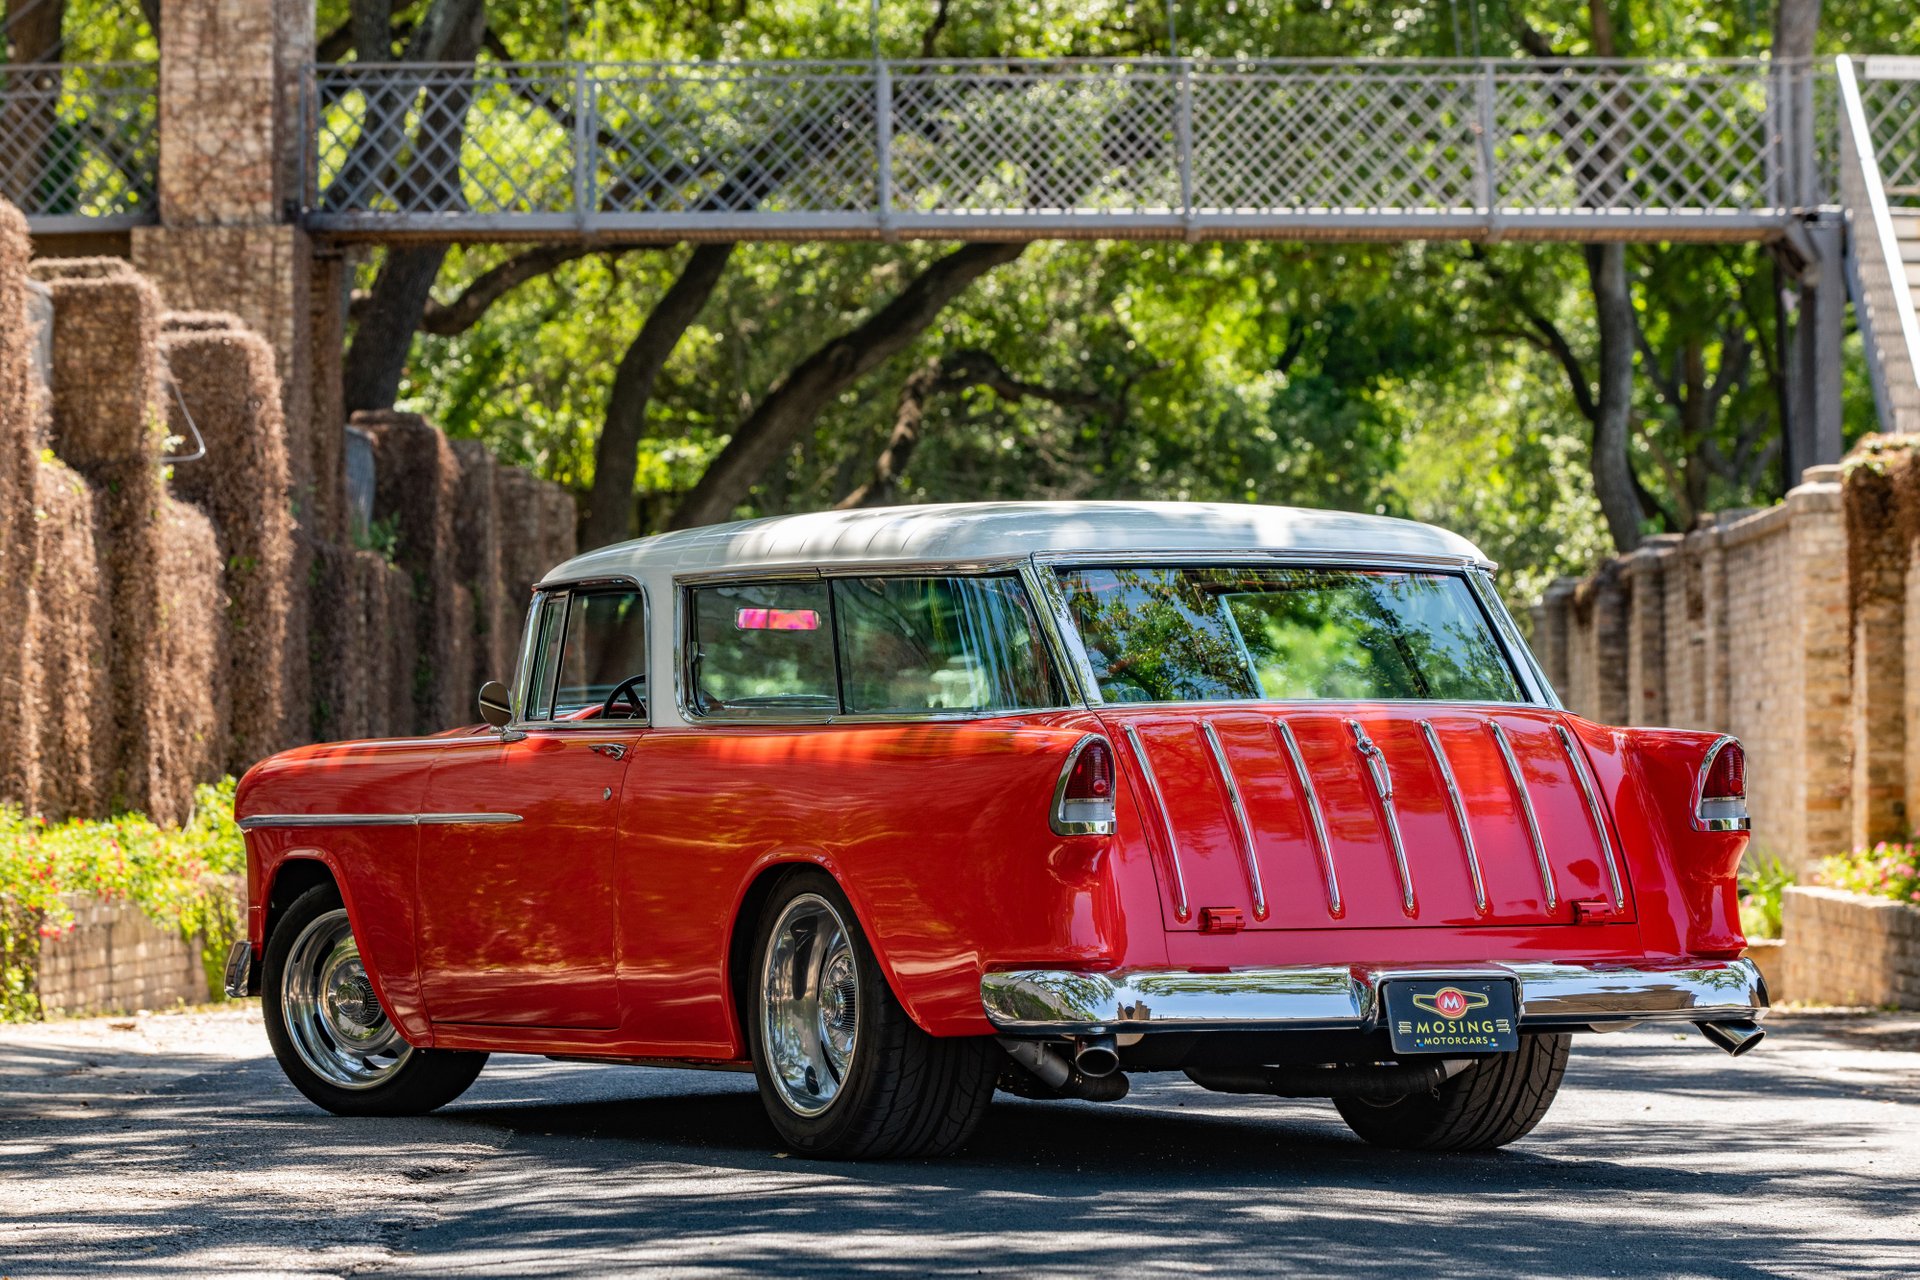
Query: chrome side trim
(265, 820)
(1051, 1002)
(1578, 759)
(1526, 811)
(1182, 910)
(1459, 813)
(239, 971)
(1245, 832)
(1383, 786)
(1310, 800)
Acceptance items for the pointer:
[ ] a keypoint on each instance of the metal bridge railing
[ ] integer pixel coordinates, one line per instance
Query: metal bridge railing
(78, 148)
(1705, 150)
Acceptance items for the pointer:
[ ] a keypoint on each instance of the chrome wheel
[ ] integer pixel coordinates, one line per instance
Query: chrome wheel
(809, 1004)
(332, 1015)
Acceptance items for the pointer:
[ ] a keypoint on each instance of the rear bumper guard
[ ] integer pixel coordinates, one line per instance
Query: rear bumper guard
(1055, 1002)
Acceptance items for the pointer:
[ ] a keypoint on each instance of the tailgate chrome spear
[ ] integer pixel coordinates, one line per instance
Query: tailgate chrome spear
(1383, 783)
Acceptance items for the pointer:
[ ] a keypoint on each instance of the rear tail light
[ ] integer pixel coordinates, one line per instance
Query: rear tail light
(1083, 798)
(1722, 801)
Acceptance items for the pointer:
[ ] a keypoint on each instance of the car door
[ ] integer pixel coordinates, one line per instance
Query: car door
(516, 860)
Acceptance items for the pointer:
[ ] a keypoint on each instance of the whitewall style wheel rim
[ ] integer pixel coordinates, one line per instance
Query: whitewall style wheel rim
(332, 1015)
(809, 1004)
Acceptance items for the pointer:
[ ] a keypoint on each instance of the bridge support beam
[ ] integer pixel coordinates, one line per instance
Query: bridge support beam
(229, 147)
(1814, 361)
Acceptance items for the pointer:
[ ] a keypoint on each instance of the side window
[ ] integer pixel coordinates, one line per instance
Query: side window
(546, 658)
(605, 645)
(762, 649)
(940, 644)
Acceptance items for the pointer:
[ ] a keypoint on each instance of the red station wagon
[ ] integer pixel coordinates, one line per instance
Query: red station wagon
(895, 808)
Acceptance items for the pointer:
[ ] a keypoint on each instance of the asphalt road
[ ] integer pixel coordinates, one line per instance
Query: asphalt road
(170, 1145)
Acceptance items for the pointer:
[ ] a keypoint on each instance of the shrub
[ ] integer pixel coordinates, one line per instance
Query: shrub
(1884, 871)
(183, 879)
(1763, 887)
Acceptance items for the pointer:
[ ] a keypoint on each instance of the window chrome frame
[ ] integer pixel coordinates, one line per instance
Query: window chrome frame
(1527, 676)
(1019, 567)
(530, 642)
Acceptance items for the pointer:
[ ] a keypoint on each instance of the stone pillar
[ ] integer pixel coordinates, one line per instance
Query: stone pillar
(1710, 560)
(1550, 631)
(1877, 579)
(230, 149)
(1597, 666)
(1646, 673)
(1818, 551)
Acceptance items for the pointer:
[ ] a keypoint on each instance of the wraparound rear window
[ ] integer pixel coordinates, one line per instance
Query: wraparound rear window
(1179, 634)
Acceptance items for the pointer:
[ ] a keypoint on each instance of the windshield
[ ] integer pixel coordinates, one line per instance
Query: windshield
(1227, 634)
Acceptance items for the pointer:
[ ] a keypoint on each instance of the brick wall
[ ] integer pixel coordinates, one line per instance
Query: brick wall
(1740, 627)
(115, 960)
(1849, 949)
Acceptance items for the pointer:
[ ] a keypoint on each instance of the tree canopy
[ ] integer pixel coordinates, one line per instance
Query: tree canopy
(1466, 385)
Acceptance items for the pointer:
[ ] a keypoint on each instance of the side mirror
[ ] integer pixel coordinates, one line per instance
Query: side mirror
(496, 704)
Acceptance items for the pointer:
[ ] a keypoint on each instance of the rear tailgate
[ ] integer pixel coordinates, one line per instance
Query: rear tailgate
(1289, 815)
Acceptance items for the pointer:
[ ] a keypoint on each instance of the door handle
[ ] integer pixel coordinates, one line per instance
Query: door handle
(611, 750)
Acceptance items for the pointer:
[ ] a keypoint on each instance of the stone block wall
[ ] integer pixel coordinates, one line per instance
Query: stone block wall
(1850, 949)
(116, 960)
(166, 619)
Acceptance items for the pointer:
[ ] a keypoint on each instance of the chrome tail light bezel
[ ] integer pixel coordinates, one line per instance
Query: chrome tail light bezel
(1719, 813)
(1080, 817)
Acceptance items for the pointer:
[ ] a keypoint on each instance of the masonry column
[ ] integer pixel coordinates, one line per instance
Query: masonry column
(230, 147)
(1823, 777)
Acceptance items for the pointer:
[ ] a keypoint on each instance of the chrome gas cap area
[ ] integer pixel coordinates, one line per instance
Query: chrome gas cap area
(331, 1012)
(809, 1004)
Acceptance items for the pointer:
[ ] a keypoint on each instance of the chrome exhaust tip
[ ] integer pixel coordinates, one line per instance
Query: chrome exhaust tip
(1735, 1037)
(1096, 1056)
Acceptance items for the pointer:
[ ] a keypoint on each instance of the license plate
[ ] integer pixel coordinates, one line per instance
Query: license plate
(1451, 1015)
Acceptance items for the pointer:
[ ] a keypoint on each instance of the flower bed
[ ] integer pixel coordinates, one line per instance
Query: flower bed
(182, 880)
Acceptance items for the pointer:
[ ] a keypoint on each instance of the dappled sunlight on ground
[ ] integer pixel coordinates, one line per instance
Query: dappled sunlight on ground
(139, 1152)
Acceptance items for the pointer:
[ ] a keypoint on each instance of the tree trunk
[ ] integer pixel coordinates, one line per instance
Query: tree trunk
(791, 406)
(610, 506)
(383, 339)
(1795, 24)
(1613, 482)
(905, 438)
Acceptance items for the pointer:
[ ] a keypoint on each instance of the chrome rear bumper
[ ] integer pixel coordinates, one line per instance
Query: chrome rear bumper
(1050, 1002)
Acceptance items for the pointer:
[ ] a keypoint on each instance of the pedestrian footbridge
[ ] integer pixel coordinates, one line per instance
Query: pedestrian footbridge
(1195, 149)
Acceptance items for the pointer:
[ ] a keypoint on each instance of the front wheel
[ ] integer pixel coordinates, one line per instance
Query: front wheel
(329, 1031)
(843, 1071)
(1493, 1102)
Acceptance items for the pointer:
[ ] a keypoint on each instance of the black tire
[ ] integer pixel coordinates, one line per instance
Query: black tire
(416, 1083)
(1494, 1102)
(904, 1093)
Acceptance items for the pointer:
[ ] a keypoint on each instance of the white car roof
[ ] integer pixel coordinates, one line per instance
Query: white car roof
(963, 532)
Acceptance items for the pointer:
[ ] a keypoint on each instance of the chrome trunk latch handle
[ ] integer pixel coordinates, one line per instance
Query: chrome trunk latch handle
(1376, 760)
(611, 750)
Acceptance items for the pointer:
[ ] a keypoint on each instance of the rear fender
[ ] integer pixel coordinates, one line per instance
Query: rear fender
(1686, 881)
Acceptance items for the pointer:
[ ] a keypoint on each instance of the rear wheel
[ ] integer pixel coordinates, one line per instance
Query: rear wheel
(844, 1073)
(1494, 1102)
(329, 1031)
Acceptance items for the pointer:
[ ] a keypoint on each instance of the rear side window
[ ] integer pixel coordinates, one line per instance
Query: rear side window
(763, 649)
(867, 646)
(939, 644)
(1226, 634)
